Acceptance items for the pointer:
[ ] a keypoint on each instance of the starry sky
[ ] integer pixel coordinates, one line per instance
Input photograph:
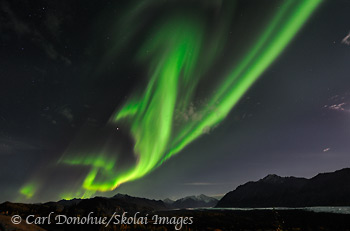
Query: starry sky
(169, 98)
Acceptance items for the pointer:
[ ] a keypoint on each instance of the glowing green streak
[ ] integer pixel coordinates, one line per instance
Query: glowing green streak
(95, 161)
(229, 97)
(79, 194)
(99, 165)
(176, 54)
(184, 138)
(28, 190)
(173, 56)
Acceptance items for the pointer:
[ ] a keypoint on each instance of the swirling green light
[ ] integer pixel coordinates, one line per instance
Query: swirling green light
(28, 190)
(162, 118)
(172, 54)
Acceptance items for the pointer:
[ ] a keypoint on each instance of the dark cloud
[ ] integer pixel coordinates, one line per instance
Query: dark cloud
(67, 113)
(13, 146)
(339, 103)
(346, 39)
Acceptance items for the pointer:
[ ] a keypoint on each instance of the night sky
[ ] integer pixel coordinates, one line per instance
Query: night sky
(159, 99)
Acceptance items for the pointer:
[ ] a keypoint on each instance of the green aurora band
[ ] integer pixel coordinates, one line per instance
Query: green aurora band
(162, 118)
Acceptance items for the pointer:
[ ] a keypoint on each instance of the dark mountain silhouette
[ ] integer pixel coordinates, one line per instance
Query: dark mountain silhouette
(98, 205)
(200, 201)
(68, 202)
(168, 201)
(325, 189)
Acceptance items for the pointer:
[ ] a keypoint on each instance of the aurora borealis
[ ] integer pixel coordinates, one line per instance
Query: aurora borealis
(173, 51)
(194, 62)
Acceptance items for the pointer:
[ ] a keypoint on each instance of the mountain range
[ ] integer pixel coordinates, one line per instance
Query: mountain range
(325, 189)
(107, 206)
(200, 201)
